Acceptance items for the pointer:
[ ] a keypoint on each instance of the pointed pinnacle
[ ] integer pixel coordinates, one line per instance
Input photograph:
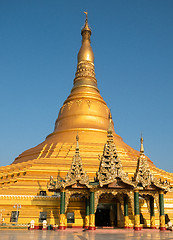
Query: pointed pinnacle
(110, 123)
(142, 146)
(110, 135)
(86, 26)
(77, 142)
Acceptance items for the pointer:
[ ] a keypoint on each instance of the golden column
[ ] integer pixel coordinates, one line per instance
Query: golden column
(162, 215)
(87, 212)
(112, 216)
(137, 226)
(62, 217)
(92, 212)
(126, 217)
(152, 214)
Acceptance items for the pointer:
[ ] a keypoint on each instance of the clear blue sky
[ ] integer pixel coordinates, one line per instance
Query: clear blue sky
(133, 46)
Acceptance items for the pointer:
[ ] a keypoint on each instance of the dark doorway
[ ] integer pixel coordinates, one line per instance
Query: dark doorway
(104, 214)
(102, 217)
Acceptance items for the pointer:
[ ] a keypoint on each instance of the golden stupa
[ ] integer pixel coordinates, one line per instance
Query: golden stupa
(85, 113)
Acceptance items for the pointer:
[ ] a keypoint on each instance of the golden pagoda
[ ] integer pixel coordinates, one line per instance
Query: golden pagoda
(83, 171)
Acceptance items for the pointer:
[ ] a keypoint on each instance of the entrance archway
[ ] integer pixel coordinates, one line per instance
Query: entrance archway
(108, 213)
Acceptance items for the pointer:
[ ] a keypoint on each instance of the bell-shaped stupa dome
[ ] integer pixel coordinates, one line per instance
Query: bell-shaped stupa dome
(86, 113)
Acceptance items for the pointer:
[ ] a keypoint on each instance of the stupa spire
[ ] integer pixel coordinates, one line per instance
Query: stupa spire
(86, 52)
(84, 108)
(85, 74)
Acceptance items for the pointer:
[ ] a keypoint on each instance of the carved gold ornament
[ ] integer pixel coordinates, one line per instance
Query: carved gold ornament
(110, 165)
(69, 193)
(76, 172)
(118, 193)
(143, 176)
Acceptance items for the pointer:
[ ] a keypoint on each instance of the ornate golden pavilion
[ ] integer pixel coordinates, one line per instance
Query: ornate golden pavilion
(83, 174)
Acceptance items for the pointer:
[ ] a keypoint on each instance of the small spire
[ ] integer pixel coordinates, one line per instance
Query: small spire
(77, 142)
(142, 146)
(110, 114)
(110, 135)
(86, 52)
(86, 16)
(110, 122)
(86, 26)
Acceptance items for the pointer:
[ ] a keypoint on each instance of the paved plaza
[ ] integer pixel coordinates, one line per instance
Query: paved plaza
(78, 234)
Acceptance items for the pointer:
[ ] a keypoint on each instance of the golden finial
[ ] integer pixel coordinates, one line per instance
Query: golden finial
(86, 26)
(86, 20)
(86, 15)
(85, 52)
(142, 146)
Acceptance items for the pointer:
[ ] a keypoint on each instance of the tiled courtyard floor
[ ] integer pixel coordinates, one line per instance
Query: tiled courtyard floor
(79, 234)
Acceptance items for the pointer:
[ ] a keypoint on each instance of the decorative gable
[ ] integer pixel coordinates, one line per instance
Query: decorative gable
(110, 165)
(143, 177)
(76, 172)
